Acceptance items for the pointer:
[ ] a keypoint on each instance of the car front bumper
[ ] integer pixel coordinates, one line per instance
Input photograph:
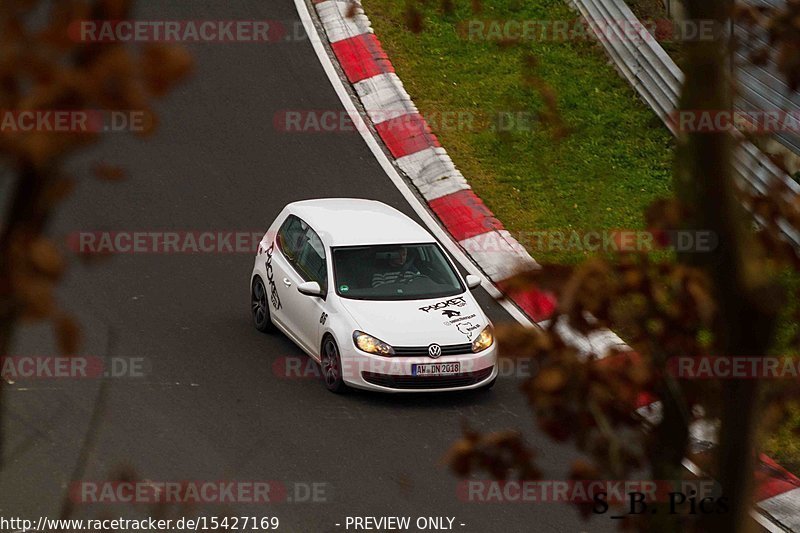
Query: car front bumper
(394, 374)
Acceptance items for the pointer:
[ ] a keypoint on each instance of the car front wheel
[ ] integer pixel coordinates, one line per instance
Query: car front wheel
(259, 306)
(332, 366)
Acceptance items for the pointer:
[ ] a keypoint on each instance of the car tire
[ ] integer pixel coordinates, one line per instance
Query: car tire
(331, 363)
(259, 307)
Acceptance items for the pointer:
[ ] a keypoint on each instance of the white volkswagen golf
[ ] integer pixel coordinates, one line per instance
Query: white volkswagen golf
(371, 296)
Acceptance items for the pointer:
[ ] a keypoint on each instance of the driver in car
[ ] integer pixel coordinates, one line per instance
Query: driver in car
(398, 269)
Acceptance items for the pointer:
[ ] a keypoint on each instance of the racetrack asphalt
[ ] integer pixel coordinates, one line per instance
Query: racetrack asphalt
(211, 406)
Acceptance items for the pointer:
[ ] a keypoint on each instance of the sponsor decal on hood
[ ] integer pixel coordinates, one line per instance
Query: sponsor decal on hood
(458, 301)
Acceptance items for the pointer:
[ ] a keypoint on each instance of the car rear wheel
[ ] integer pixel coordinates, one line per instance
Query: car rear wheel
(259, 307)
(332, 366)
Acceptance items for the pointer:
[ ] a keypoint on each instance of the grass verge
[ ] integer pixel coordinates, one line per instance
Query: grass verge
(615, 161)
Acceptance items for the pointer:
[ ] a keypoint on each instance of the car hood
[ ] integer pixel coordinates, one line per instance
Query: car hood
(449, 320)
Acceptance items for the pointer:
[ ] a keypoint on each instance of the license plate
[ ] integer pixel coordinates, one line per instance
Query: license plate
(436, 369)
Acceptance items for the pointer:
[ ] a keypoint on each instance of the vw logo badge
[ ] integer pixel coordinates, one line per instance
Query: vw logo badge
(435, 351)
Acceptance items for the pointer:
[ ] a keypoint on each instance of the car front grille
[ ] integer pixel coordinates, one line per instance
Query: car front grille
(418, 351)
(427, 382)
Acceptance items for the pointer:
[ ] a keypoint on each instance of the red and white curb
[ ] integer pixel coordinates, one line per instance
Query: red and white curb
(417, 152)
(414, 149)
(778, 494)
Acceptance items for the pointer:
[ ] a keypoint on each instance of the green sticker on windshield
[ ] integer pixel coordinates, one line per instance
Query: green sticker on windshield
(343, 288)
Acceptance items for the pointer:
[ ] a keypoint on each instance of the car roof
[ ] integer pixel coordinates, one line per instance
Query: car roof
(354, 221)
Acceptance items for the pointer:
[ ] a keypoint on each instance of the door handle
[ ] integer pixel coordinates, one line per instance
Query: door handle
(287, 282)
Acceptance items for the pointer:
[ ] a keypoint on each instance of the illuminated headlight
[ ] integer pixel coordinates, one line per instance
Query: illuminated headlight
(370, 344)
(484, 340)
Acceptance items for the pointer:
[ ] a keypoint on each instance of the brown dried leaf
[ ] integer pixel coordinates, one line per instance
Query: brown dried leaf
(57, 190)
(35, 295)
(68, 334)
(107, 172)
(448, 7)
(45, 258)
(516, 341)
(582, 469)
(413, 19)
(459, 457)
(352, 9)
(163, 66)
(550, 380)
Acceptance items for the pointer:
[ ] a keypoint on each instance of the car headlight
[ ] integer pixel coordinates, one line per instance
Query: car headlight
(483, 340)
(370, 344)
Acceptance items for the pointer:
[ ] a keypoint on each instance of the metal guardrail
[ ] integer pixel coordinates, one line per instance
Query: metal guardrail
(761, 86)
(654, 75)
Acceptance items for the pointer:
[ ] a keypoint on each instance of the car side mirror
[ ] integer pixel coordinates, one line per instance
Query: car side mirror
(310, 288)
(473, 281)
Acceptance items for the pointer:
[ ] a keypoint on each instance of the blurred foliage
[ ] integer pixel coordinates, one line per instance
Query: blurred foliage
(44, 67)
(717, 304)
(781, 26)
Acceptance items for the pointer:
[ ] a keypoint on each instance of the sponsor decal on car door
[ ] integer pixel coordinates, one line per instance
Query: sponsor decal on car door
(274, 297)
(277, 267)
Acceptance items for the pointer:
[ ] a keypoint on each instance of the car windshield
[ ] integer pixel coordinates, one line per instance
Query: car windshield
(394, 272)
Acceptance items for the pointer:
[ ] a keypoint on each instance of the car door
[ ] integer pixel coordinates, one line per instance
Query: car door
(312, 265)
(303, 259)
